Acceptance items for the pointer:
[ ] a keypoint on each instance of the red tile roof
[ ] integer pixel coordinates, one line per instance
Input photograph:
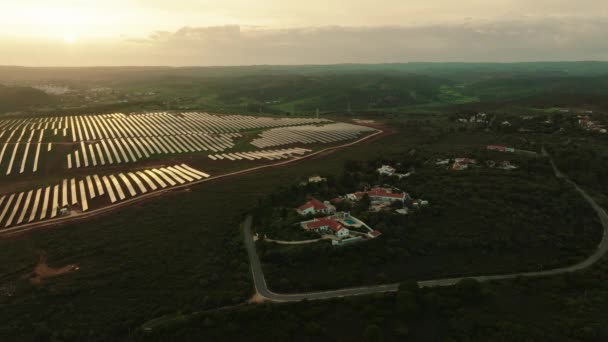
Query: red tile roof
(384, 193)
(324, 222)
(316, 204)
(380, 192)
(464, 161)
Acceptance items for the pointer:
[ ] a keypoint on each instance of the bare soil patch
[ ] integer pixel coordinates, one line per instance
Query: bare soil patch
(43, 271)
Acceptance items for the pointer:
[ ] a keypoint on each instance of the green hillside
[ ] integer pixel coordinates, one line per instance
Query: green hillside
(15, 98)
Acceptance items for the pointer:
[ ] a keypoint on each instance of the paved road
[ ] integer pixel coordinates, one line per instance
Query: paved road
(262, 288)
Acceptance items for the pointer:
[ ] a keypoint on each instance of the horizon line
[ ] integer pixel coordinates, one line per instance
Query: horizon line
(298, 65)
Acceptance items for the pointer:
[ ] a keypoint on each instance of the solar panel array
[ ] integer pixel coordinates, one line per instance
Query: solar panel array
(86, 141)
(118, 125)
(262, 154)
(128, 150)
(118, 138)
(309, 134)
(20, 148)
(46, 203)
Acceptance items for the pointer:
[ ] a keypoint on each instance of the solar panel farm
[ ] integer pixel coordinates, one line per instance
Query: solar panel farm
(61, 168)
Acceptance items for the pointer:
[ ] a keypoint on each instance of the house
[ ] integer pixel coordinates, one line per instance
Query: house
(326, 225)
(386, 170)
(463, 163)
(314, 207)
(496, 148)
(316, 179)
(378, 194)
(500, 148)
(337, 200)
(506, 165)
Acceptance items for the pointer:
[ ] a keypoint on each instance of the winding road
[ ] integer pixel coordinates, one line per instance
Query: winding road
(262, 288)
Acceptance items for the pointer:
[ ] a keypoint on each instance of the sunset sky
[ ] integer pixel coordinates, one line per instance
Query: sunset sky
(233, 32)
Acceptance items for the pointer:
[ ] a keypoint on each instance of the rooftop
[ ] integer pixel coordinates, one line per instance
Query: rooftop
(329, 221)
(315, 204)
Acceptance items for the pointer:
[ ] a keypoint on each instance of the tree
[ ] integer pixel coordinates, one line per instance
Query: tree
(468, 289)
(407, 299)
(364, 203)
(373, 333)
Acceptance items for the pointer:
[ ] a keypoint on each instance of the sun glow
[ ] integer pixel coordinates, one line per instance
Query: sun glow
(70, 24)
(69, 39)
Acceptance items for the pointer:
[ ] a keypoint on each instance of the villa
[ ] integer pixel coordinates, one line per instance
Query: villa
(463, 163)
(378, 194)
(314, 207)
(388, 170)
(500, 148)
(326, 225)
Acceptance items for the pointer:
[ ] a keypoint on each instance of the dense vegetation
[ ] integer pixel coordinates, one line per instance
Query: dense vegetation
(423, 87)
(480, 221)
(15, 98)
(585, 159)
(560, 308)
(136, 264)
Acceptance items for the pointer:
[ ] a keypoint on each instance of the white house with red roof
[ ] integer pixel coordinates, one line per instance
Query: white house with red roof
(314, 207)
(463, 163)
(500, 148)
(378, 194)
(326, 225)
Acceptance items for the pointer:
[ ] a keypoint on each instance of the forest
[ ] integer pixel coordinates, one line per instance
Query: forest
(17, 98)
(560, 308)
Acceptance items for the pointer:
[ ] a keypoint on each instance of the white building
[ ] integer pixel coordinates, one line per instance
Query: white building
(326, 225)
(316, 179)
(386, 170)
(314, 207)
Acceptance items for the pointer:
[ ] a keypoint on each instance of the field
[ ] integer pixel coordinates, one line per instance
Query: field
(94, 161)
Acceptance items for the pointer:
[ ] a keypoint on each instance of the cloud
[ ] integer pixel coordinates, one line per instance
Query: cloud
(512, 40)
(199, 34)
(518, 39)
